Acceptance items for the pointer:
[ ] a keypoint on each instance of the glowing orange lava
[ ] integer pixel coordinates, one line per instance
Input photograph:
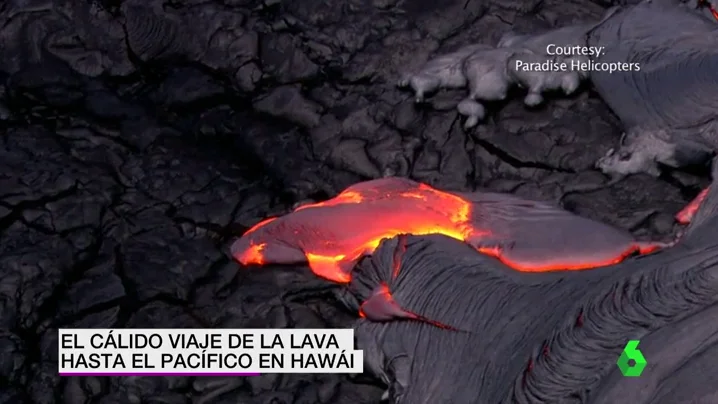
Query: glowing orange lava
(254, 254)
(632, 249)
(686, 214)
(332, 236)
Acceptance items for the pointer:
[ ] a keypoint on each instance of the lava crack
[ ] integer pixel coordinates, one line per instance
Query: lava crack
(332, 236)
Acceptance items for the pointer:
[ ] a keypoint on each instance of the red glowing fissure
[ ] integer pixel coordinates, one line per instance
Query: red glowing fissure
(713, 11)
(381, 306)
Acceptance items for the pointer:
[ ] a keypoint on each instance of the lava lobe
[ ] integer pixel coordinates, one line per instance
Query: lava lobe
(686, 214)
(332, 236)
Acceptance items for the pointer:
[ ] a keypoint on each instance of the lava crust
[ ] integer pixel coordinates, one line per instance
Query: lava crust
(478, 321)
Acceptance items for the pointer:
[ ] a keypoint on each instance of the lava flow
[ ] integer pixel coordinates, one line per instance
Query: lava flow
(332, 236)
(686, 214)
(381, 306)
(705, 3)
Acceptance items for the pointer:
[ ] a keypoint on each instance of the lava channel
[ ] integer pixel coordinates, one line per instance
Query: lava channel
(332, 236)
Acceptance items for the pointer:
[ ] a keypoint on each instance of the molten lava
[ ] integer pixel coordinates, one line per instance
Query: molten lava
(631, 249)
(686, 214)
(381, 306)
(332, 236)
(705, 3)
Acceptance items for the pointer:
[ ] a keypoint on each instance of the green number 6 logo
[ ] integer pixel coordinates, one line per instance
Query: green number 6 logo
(631, 353)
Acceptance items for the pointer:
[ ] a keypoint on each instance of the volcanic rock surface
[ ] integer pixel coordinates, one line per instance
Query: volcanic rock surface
(139, 137)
